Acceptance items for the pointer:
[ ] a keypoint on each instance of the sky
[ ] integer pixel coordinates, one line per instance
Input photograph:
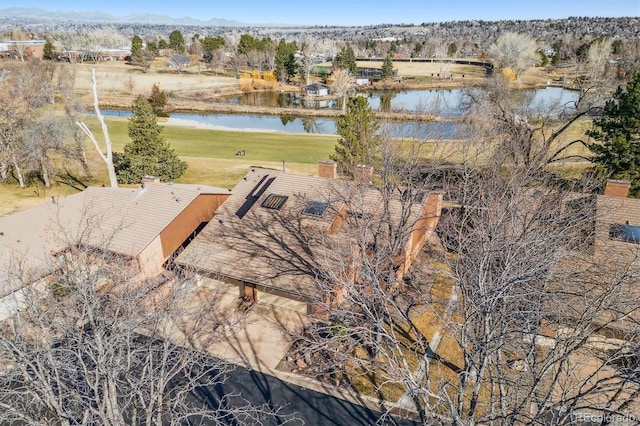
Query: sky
(348, 12)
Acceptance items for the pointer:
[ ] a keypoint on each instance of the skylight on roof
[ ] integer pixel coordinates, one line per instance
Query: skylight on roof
(626, 233)
(274, 201)
(315, 208)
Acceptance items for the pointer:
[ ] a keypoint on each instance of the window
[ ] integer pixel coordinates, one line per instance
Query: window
(626, 233)
(274, 201)
(315, 208)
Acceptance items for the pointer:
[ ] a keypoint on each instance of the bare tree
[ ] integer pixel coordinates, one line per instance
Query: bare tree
(25, 91)
(96, 344)
(69, 45)
(106, 156)
(597, 58)
(306, 61)
(12, 113)
(514, 51)
(95, 42)
(513, 326)
(536, 134)
(74, 108)
(534, 303)
(42, 139)
(342, 86)
(20, 50)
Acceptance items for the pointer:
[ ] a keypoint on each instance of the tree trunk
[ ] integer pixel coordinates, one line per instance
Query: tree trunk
(45, 174)
(18, 171)
(4, 170)
(108, 156)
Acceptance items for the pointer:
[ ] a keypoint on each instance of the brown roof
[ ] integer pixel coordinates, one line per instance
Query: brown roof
(121, 220)
(262, 234)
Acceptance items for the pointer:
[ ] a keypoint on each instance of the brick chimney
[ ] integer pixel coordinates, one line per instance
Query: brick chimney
(363, 174)
(328, 169)
(617, 188)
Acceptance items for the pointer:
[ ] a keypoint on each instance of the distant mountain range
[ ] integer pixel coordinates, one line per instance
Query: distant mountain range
(98, 16)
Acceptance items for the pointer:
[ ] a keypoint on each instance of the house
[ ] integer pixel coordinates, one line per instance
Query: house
(317, 89)
(22, 49)
(144, 225)
(276, 236)
(178, 61)
(613, 224)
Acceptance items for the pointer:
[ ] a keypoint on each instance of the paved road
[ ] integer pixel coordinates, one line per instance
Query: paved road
(310, 407)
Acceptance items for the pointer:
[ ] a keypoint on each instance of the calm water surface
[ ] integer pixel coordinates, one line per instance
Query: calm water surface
(444, 102)
(436, 101)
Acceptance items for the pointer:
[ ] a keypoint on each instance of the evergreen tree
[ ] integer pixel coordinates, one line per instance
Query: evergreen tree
(387, 67)
(346, 59)
(148, 153)
(285, 61)
(210, 45)
(49, 50)
(141, 55)
(136, 46)
(452, 49)
(544, 60)
(359, 142)
(176, 41)
(158, 100)
(617, 150)
(152, 48)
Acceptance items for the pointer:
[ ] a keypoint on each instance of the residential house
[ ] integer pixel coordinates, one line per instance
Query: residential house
(179, 62)
(144, 225)
(22, 49)
(276, 237)
(317, 89)
(612, 228)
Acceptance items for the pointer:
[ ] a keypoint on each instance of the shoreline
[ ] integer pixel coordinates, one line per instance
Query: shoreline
(183, 122)
(183, 104)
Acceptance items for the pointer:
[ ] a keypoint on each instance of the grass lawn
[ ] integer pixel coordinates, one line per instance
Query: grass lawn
(222, 144)
(210, 155)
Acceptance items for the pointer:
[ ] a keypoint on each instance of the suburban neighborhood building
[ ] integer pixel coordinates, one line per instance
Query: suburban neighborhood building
(145, 226)
(609, 223)
(317, 89)
(274, 238)
(22, 49)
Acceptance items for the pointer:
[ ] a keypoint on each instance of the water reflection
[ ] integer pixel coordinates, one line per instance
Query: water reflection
(316, 125)
(445, 102)
(435, 101)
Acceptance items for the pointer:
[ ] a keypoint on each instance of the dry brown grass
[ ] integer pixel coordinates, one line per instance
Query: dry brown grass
(120, 84)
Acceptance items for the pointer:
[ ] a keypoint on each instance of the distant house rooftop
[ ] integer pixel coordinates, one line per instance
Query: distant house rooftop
(178, 61)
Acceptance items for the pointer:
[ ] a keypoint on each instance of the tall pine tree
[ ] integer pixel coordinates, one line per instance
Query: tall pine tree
(346, 59)
(387, 67)
(617, 150)
(148, 153)
(360, 141)
(285, 61)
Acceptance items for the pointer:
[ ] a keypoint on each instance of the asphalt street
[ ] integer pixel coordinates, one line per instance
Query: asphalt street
(295, 405)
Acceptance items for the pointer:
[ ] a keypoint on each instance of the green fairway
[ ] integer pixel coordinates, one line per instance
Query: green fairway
(210, 155)
(206, 143)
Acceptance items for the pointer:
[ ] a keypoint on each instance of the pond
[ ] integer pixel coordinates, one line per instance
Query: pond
(431, 130)
(444, 102)
(436, 101)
